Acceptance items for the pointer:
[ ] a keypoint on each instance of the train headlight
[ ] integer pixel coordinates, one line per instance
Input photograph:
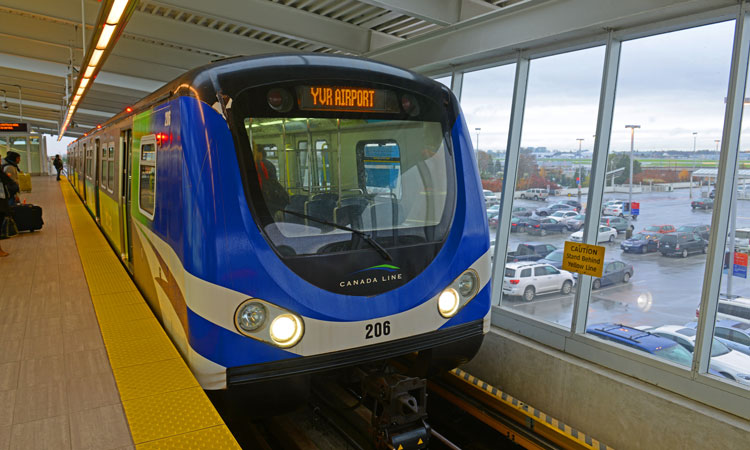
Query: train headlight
(467, 283)
(251, 316)
(286, 330)
(448, 303)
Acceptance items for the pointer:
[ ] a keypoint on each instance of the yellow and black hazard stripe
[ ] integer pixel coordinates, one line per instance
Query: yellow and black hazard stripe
(535, 419)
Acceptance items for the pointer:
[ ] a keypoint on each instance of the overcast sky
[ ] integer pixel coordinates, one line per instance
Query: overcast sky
(672, 85)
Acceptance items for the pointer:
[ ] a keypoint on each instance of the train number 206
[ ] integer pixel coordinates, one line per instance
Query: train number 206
(377, 329)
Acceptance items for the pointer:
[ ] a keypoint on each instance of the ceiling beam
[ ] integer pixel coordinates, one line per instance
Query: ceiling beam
(60, 70)
(56, 108)
(289, 22)
(504, 32)
(440, 12)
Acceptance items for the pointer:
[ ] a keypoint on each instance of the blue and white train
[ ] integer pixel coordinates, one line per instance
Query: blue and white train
(289, 214)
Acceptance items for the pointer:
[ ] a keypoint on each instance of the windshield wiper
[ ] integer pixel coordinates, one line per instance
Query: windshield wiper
(367, 237)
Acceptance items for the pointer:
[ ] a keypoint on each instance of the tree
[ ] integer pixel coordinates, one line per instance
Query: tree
(622, 160)
(684, 175)
(484, 161)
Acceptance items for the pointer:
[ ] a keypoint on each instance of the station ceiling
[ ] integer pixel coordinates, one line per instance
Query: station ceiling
(41, 41)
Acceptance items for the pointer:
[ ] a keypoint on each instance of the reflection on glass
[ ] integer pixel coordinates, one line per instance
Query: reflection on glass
(445, 81)
(552, 180)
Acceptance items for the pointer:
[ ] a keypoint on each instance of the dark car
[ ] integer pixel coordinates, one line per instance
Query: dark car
(618, 223)
(702, 203)
(530, 251)
(681, 244)
(614, 272)
(493, 219)
(554, 259)
(574, 203)
(520, 211)
(543, 226)
(547, 210)
(643, 341)
(713, 193)
(519, 224)
(700, 230)
(641, 243)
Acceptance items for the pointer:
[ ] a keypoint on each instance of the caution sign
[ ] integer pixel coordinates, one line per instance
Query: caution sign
(583, 258)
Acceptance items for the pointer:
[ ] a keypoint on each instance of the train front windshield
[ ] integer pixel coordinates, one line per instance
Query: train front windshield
(330, 184)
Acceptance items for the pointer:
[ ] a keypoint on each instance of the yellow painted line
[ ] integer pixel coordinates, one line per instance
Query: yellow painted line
(539, 418)
(163, 402)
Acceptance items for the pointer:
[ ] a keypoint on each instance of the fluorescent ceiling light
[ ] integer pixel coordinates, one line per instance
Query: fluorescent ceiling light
(95, 57)
(84, 81)
(105, 36)
(118, 7)
(89, 71)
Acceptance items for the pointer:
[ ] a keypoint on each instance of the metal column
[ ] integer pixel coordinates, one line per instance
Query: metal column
(512, 153)
(598, 175)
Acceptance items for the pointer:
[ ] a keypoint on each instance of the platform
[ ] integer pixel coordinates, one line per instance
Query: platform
(73, 372)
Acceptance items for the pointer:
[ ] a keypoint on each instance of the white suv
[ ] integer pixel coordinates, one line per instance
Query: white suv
(526, 279)
(535, 194)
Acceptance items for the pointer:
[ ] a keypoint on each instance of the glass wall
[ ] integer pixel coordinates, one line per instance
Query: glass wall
(552, 182)
(35, 150)
(18, 145)
(670, 106)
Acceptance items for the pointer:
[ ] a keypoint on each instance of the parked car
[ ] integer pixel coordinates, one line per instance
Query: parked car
(729, 363)
(521, 211)
(574, 203)
(494, 220)
(493, 209)
(614, 272)
(736, 309)
(519, 224)
(641, 243)
(733, 333)
(544, 226)
(661, 229)
(534, 194)
(531, 251)
(615, 208)
(702, 203)
(547, 210)
(681, 244)
(563, 216)
(491, 198)
(742, 240)
(700, 230)
(713, 193)
(643, 341)
(576, 222)
(554, 259)
(618, 223)
(606, 234)
(531, 278)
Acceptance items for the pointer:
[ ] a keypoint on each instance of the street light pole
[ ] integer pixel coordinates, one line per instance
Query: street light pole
(477, 130)
(630, 191)
(580, 169)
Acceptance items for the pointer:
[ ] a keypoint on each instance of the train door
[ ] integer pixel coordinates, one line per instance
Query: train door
(126, 141)
(86, 165)
(97, 175)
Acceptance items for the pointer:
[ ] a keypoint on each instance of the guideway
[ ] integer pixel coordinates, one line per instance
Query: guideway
(83, 361)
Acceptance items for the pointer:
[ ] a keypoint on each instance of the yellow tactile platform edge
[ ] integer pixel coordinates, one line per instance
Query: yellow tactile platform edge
(164, 404)
(539, 417)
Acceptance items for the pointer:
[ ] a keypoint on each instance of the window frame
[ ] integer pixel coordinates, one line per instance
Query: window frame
(147, 140)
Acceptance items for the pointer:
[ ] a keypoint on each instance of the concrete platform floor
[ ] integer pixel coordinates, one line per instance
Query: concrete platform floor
(57, 390)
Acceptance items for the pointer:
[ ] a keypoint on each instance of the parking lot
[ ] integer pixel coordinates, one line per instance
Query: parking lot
(663, 290)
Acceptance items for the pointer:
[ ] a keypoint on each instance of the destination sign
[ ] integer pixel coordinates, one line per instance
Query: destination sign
(14, 127)
(340, 98)
(583, 258)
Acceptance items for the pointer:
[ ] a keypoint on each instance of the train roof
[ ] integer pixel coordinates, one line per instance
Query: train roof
(234, 74)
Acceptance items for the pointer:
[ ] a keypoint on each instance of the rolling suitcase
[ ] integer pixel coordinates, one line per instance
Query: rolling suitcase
(24, 182)
(27, 217)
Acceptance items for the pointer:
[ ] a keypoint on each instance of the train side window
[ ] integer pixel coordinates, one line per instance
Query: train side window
(379, 167)
(112, 180)
(147, 176)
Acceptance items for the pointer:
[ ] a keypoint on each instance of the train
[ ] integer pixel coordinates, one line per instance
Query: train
(285, 215)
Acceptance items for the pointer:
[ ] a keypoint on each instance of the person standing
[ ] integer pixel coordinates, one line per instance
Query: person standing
(5, 181)
(10, 168)
(58, 165)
